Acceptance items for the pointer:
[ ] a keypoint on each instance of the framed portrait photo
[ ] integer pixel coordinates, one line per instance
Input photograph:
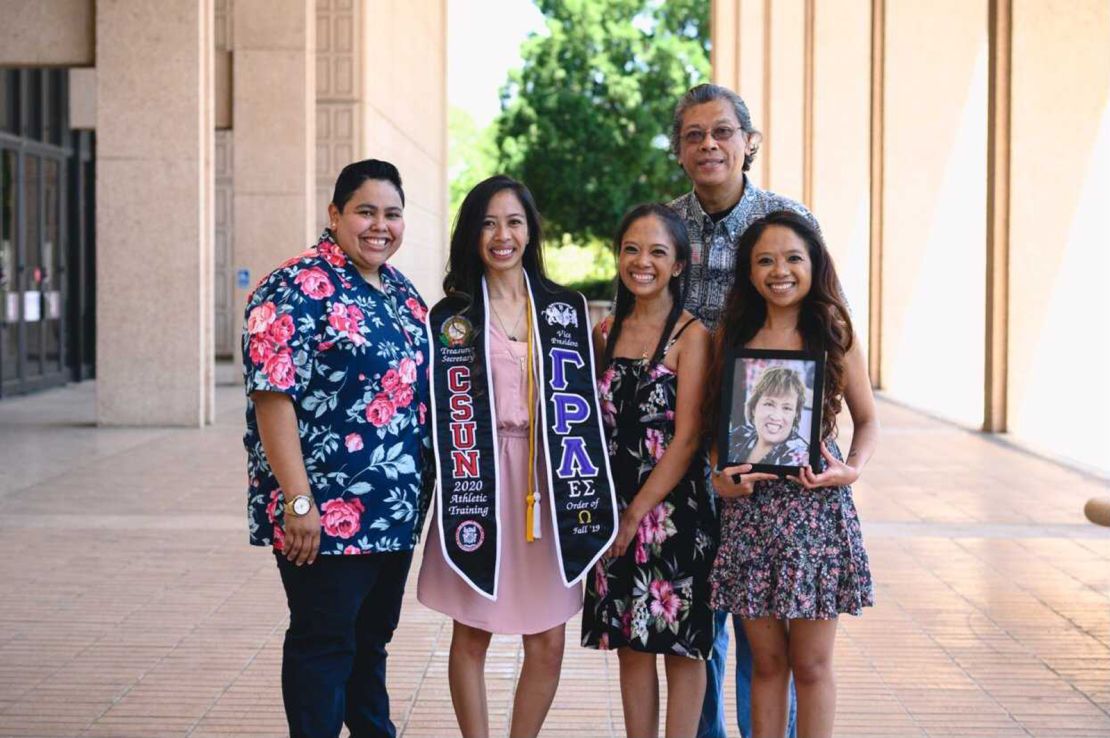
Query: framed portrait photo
(771, 410)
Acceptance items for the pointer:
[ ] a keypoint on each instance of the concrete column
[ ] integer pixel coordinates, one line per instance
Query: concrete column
(934, 200)
(840, 141)
(274, 139)
(404, 118)
(754, 70)
(208, 205)
(153, 191)
(875, 186)
(47, 33)
(1000, 32)
(339, 54)
(784, 117)
(724, 54)
(1058, 356)
(739, 57)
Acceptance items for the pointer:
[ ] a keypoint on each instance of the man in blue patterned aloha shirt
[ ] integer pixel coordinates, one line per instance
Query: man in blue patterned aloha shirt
(335, 356)
(713, 138)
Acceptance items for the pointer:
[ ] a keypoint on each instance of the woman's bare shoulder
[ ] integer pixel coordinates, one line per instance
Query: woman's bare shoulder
(692, 329)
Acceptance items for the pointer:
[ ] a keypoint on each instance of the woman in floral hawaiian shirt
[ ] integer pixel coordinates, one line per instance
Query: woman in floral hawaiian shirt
(334, 354)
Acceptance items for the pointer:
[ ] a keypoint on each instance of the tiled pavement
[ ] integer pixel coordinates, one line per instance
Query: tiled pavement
(132, 606)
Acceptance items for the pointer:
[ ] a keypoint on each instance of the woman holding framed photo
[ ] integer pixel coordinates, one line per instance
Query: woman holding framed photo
(791, 556)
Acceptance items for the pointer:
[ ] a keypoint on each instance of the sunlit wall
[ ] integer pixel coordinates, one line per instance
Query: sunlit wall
(404, 108)
(1059, 359)
(841, 123)
(934, 194)
(784, 111)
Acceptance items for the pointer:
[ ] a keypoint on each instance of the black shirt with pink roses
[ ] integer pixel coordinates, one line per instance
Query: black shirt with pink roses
(353, 360)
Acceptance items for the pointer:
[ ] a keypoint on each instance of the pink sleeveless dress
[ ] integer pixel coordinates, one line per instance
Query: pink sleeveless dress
(531, 597)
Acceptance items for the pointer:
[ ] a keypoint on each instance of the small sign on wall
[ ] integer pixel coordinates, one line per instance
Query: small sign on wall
(32, 306)
(243, 278)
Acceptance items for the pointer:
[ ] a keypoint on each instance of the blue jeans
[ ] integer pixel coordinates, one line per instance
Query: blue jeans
(712, 723)
(342, 613)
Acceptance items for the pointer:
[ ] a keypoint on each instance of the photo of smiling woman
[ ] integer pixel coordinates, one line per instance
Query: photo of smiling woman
(776, 414)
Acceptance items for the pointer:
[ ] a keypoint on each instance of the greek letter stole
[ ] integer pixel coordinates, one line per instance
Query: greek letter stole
(469, 493)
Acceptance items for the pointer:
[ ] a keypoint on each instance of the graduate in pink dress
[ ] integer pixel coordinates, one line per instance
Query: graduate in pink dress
(511, 569)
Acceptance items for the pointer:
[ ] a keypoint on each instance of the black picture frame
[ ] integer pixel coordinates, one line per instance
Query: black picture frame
(737, 435)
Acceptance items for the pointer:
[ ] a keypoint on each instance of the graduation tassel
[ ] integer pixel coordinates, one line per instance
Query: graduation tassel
(536, 533)
(532, 499)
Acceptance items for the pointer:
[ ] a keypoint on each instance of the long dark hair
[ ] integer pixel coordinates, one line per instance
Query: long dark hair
(677, 286)
(464, 266)
(823, 321)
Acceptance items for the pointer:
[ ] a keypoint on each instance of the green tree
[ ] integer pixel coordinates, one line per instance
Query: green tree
(585, 121)
(471, 155)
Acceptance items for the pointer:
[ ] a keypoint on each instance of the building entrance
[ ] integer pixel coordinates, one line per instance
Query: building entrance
(47, 305)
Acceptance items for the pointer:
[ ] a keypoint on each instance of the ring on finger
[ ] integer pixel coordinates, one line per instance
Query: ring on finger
(736, 478)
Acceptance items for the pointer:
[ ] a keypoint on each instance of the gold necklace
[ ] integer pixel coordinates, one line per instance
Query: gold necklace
(645, 346)
(511, 335)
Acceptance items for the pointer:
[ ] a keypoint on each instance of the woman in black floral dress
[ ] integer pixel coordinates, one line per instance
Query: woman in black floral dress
(791, 556)
(650, 596)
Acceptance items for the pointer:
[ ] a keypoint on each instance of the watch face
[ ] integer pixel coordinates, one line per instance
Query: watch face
(301, 505)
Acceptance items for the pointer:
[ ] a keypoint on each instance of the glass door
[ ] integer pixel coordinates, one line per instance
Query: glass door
(9, 290)
(36, 150)
(31, 271)
(52, 268)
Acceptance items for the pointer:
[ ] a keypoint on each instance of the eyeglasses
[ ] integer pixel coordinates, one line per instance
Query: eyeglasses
(719, 133)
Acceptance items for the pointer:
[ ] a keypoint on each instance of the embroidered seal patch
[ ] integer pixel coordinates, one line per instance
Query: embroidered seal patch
(560, 313)
(456, 331)
(469, 536)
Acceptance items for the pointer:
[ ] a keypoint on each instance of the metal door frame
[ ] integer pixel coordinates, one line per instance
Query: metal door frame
(61, 153)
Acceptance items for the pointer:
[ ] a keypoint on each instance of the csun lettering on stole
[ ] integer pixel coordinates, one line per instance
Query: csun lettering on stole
(464, 454)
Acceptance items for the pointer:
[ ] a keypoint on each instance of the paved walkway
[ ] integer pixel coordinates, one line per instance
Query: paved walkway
(132, 605)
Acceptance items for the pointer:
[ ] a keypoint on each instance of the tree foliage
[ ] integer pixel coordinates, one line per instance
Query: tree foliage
(585, 121)
(471, 156)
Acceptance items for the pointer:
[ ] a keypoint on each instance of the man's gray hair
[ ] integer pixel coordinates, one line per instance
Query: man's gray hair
(702, 94)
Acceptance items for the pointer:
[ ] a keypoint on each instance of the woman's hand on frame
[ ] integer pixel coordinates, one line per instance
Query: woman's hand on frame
(836, 474)
(738, 481)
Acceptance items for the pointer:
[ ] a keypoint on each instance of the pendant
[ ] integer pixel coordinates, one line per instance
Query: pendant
(514, 339)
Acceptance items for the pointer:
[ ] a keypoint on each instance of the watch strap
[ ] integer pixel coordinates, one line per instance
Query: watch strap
(289, 509)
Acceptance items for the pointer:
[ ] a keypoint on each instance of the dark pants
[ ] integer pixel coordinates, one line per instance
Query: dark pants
(342, 613)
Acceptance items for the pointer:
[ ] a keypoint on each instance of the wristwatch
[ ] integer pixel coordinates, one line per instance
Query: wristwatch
(298, 506)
